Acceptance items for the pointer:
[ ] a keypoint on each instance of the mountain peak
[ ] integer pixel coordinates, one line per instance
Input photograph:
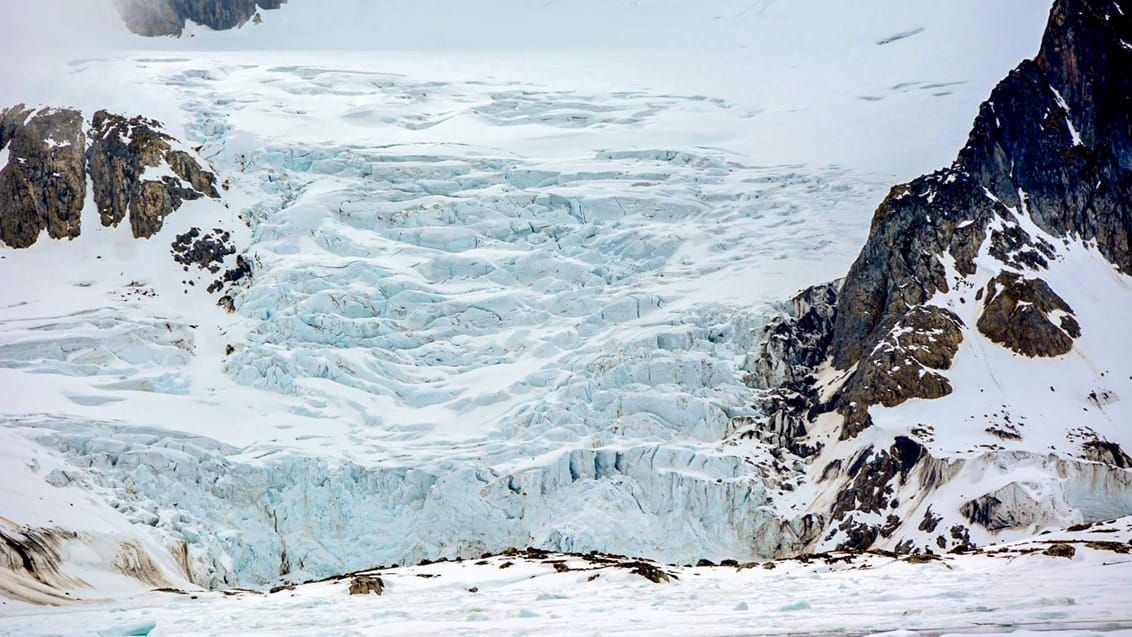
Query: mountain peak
(168, 17)
(985, 265)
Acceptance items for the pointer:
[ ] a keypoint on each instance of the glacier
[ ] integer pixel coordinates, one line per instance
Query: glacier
(496, 302)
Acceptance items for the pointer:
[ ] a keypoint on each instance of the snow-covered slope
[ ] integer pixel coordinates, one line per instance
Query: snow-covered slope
(499, 299)
(973, 368)
(1075, 586)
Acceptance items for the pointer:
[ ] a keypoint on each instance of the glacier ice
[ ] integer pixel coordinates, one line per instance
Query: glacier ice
(447, 348)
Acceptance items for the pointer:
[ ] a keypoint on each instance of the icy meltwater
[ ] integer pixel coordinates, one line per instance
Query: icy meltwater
(499, 300)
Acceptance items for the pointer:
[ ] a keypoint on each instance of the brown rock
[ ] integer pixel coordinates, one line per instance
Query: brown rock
(366, 584)
(167, 17)
(1017, 315)
(1107, 452)
(43, 186)
(900, 366)
(120, 152)
(1061, 550)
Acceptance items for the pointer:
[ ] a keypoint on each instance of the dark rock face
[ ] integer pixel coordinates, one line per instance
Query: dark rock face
(901, 365)
(871, 481)
(792, 348)
(167, 17)
(1049, 158)
(1107, 452)
(1010, 506)
(1067, 129)
(798, 342)
(120, 152)
(43, 185)
(1052, 147)
(208, 251)
(1017, 316)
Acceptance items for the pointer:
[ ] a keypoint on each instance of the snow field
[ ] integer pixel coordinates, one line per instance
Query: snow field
(867, 595)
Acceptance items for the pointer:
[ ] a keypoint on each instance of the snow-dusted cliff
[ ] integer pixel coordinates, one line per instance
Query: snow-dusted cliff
(968, 380)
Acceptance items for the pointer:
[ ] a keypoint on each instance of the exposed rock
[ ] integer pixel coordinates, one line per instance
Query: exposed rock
(901, 365)
(1008, 507)
(1052, 145)
(1019, 314)
(241, 272)
(871, 477)
(203, 250)
(167, 17)
(1115, 547)
(1108, 453)
(35, 555)
(930, 521)
(796, 343)
(962, 535)
(793, 346)
(651, 572)
(366, 584)
(133, 561)
(899, 267)
(871, 481)
(1061, 550)
(42, 187)
(1049, 159)
(1059, 129)
(121, 152)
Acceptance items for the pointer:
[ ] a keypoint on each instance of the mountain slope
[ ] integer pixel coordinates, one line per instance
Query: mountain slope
(978, 362)
(168, 17)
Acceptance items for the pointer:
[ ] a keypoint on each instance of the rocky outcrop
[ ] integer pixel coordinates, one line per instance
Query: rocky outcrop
(1108, 453)
(208, 251)
(135, 168)
(1019, 314)
(1050, 152)
(42, 185)
(793, 346)
(904, 364)
(122, 154)
(34, 564)
(167, 17)
(1051, 148)
(1048, 161)
(797, 342)
(1010, 506)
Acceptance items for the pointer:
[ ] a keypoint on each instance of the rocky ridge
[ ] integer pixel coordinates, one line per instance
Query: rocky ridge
(1048, 164)
(135, 168)
(138, 173)
(167, 17)
(42, 180)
